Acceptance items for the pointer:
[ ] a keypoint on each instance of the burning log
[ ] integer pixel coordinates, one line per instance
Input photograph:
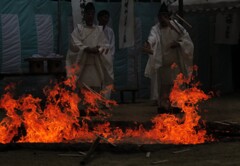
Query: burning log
(70, 155)
(148, 154)
(181, 151)
(105, 103)
(82, 153)
(106, 140)
(223, 123)
(159, 162)
(90, 151)
(224, 131)
(94, 92)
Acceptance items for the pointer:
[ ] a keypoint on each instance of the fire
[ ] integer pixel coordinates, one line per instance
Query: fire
(186, 129)
(56, 122)
(59, 118)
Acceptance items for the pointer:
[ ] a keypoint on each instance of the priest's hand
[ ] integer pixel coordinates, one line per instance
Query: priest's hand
(147, 48)
(146, 45)
(174, 44)
(73, 47)
(94, 50)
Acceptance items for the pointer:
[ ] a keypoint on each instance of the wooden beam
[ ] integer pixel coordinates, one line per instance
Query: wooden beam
(180, 9)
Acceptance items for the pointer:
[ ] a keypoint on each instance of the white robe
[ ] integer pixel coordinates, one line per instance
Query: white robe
(163, 56)
(110, 55)
(109, 63)
(91, 67)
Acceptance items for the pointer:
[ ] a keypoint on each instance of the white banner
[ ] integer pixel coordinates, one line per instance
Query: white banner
(126, 24)
(227, 28)
(77, 9)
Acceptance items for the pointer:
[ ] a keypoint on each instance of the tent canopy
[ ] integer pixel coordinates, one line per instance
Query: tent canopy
(207, 5)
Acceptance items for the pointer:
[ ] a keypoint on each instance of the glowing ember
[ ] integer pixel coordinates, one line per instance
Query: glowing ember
(60, 119)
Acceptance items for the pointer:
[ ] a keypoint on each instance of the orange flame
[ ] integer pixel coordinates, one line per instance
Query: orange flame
(60, 120)
(186, 129)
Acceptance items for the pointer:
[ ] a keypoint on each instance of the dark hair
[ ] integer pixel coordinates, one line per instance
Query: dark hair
(163, 9)
(89, 6)
(103, 13)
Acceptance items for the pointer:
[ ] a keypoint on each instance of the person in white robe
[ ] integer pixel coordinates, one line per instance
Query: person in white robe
(172, 53)
(103, 19)
(85, 58)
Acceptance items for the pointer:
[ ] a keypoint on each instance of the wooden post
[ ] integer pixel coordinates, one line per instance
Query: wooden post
(180, 9)
(59, 28)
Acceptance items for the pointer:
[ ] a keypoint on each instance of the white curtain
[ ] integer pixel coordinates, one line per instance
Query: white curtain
(11, 43)
(44, 34)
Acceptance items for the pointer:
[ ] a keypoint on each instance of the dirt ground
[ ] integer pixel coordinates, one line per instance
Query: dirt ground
(224, 153)
(219, 154)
